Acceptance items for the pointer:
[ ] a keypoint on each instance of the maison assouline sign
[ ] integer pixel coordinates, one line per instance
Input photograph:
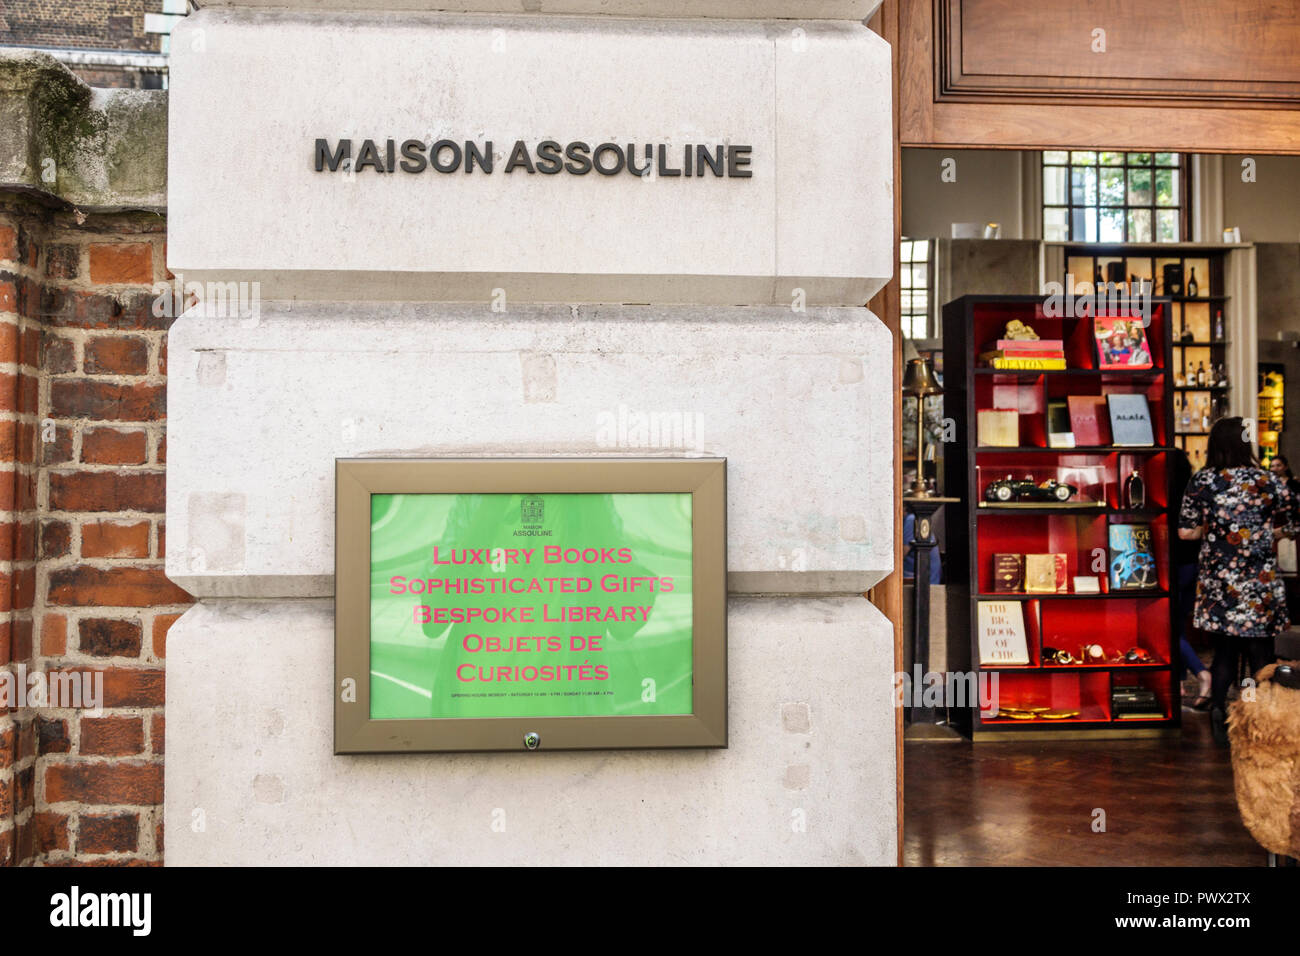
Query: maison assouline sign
(547, 157)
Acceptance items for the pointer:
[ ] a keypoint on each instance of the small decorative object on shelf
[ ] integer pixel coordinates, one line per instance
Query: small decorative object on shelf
(919, 381)
(1193, 288)
(1179, 381)
(1017, 331)
(1135, 495)
(1222, 377)
(1087, 584)
(1218, 325)
(1025, 489)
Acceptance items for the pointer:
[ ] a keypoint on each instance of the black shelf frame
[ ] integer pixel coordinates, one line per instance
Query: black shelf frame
(960, 480)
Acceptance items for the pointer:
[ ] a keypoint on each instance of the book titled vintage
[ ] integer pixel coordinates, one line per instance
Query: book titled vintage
(1087, 420)
(1121, 342)
(1130, 421)
(1008, 572)
(1002, 633)
(1132, 558)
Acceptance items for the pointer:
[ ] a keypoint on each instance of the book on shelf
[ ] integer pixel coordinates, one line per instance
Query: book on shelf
(1059, 433)
(998, 427)
(1046, 574)
(1132, 557)
(1030, 345)
(1008, 572)
(1087, 584)
(1023, 353)
(1121, 342)
(1087, 420)
(1026, 364)
(1130, 421)
(1002, 633)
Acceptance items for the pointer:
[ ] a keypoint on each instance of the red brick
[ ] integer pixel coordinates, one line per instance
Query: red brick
(24, 594)
(162, 450)
(26, 439)
(51, 832)
(8, 243)
(161, 625)
(83, 586)
(56, 539)
(54, 635)
(6, 799)
(30, 347)
(9, 440)
(103, 539)
(8, 297)
(62, 261)
(89, 310)
(108, 446)
(58, 355)
(9, 340)
(22, 542)
(106, 401)
(157, 732)
(58, 451)
(112, 736)
(120, 263)
(108, 491)
(26, 740)
(117, 355)
(125, 686)
(8, 746)
(116, 833)
(21, 638)
(102, 637)
(6, 650)
(19, 393)
(104, 784)
(52, 735)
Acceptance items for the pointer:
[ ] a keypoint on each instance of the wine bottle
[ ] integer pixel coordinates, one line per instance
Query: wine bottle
(1135, 495)
(1218, 325)
(1222, 376)
(1192, 287)
(1179, 381)
(1187, 415)
(1205, 415)
(1200, 375)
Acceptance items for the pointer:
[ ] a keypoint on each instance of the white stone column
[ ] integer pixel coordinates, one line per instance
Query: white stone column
(428, 314)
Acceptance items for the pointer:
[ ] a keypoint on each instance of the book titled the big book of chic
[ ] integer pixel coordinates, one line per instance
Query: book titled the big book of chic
(1002, 633)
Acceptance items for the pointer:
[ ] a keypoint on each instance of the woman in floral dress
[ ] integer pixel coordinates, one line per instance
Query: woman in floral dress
(1235, 508)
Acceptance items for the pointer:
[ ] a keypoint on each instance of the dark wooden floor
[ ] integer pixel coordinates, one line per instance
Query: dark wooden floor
(1167, 803)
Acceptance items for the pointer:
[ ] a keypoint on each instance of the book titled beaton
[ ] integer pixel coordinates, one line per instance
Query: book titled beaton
(1132, 558)
(1002, 633)
(1130, 421)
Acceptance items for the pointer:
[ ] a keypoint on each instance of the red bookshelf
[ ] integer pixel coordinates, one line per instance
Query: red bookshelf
(1119, 620)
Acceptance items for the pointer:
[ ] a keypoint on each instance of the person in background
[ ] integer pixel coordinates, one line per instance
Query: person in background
(1232, 506)
(1282, 468)
(1185, 553)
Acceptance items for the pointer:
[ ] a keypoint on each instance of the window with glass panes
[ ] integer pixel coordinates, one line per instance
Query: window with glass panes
(914, 287)
(1099, 196)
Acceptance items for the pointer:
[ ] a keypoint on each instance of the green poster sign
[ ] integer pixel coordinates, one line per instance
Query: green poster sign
(530, 605)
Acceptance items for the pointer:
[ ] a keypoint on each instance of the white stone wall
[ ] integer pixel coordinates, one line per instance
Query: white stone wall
(388, 340)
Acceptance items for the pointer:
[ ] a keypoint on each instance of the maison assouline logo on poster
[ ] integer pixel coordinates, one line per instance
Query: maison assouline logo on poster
(548, 158)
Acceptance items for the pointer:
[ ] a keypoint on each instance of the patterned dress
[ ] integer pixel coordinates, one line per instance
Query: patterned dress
(1238, 590)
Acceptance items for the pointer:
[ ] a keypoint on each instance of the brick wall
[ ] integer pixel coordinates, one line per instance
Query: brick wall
(82, 459)
(82, 24)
